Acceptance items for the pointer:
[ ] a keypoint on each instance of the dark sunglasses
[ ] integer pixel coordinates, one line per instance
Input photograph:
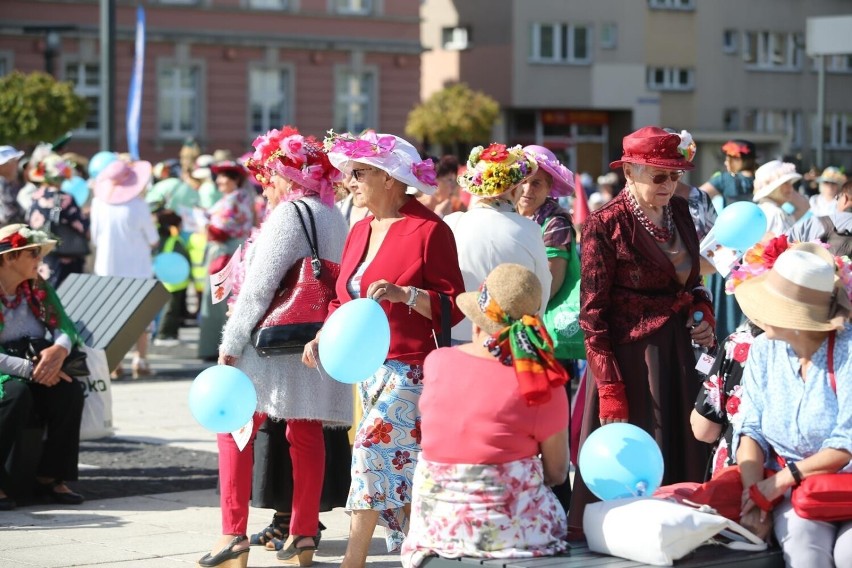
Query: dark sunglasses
(358, 174)
(662, 178)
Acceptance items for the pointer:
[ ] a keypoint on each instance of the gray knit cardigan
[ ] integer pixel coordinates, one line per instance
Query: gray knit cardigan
(286, 388)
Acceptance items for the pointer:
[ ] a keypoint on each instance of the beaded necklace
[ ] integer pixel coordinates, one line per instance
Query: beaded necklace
(660, 234)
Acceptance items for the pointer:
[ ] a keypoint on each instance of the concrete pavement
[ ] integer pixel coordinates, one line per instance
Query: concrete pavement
(152, 531)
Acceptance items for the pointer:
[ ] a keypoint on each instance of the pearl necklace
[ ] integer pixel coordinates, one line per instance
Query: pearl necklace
(660, 234)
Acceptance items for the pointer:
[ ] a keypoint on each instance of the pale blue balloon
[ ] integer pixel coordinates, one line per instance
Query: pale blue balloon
(171, 268)
(77, 188)
(355, 341)
(740, 225)
(222, 399)
(621, 460)
(99, 161)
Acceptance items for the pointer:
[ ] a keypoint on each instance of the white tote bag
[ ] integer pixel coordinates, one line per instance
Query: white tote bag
(97, 393)
(655, 531)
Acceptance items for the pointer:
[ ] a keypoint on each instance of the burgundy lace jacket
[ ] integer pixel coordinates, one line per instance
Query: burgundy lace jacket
(629, 288)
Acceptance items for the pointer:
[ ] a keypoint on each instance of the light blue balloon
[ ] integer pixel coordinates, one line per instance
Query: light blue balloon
(355, 341)
(171, 268)
(99, 161)
(621, 460)
(77, 188)
(222, 399)
(740, 225)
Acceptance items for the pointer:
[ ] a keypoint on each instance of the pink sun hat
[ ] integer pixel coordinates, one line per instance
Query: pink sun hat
(563, 178)
(121, 181)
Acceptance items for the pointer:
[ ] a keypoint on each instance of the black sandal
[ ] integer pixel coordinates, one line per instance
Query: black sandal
(278, 543)
(298, 555)
(278, 529)
(227, 557)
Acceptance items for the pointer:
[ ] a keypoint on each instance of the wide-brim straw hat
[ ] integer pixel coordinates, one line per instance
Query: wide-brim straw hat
(801, 292)
(120, 181)
(27, 239)
(772, 175)
(512, 287)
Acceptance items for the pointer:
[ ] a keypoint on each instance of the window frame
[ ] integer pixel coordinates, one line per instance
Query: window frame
(289, 97)
(563, 43)
(199, 98)
(837, 126)
(671, 81)
(7, 57)
(730, 41)
(763, 44)
(608, 37)
(284, 5)
(371, 99)
(764, 120)
(680, 5)
(85, 91)
(454, 44)
(349, 10)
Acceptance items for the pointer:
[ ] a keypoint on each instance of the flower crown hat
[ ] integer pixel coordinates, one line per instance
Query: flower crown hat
(494, 170)
(832, 174)
(387, 152)
(563, 178)
(19, 237)
(298, 158)
(51, 169)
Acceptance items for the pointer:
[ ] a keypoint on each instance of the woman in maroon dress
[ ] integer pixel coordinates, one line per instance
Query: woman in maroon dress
(640, 288)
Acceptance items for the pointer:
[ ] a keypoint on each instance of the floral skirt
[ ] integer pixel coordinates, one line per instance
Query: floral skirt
(387, 445)
(484, 511)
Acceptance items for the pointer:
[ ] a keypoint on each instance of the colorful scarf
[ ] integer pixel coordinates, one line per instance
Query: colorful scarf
(525, 344)
(46, 307)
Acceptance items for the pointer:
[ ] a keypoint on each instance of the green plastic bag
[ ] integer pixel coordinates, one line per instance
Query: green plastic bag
(562, 316)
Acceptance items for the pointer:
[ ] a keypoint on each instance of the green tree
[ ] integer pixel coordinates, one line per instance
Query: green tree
(36, 107)
(454, 115)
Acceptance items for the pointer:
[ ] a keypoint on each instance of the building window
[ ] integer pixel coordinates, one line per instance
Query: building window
(354, 101)
(178, 96)
(455, 39)
(772, 51)
(353, 7)
(776, 122)
(729, 41)
(269, 4)
(86, 79)
(609, 36)
(6, 65)
(837, 132)
(672, 4)
(269, 99)
(731, 119)
(838, 63)
(179, 2)
(560, 43)
(670, 79)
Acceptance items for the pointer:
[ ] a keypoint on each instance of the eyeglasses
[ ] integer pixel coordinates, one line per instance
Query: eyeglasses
(662, 178)
(358, 173)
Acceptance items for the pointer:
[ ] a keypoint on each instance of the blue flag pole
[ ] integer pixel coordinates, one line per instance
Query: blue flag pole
(134, 98)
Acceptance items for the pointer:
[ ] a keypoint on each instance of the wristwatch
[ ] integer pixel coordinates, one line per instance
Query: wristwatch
(412, 297)
(794, 471)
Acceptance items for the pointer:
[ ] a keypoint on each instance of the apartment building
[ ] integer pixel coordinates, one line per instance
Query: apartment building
(577, 75)
(223, 71)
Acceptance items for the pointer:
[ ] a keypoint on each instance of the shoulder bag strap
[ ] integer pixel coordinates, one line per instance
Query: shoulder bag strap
(831, 378)
(446, 321)
(316, 265)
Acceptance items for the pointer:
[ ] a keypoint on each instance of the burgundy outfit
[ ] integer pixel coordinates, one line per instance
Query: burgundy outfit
(417, 241)
(634, 311)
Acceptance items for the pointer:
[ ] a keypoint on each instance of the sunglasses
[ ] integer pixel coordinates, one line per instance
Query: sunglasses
(662, 178)
(358, 174)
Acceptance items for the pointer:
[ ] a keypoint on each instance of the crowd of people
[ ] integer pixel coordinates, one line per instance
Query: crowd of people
(461, 438)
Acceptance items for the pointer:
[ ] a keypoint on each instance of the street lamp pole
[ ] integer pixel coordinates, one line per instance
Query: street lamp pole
(107, 75)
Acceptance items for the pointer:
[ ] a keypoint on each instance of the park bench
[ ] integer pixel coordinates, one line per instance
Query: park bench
(580, 556)
(110, 313)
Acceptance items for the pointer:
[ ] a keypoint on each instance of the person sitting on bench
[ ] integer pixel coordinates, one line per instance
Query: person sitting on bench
(29, 309)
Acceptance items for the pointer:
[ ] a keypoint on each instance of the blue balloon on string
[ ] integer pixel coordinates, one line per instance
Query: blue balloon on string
(99, 161)
(355, 341)
(171, 268)
(740, 225)
(621, 460)
(222, 398)
(77, 188)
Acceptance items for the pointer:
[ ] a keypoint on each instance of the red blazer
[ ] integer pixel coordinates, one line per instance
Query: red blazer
(419, 250)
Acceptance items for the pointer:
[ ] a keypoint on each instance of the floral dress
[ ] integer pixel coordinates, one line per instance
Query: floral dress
(719, 399)
(44, 200)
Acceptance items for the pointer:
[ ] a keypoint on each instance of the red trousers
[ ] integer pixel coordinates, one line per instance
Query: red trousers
(307, 451)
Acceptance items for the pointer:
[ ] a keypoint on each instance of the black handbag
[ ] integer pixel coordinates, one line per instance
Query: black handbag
(300, 306)
(71, 242)
(31, 347)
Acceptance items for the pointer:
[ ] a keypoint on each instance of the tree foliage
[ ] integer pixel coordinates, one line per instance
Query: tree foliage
(36, 107)
(454, 115)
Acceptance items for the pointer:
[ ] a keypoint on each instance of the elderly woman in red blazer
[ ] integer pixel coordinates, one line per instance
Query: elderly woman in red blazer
(639, 290)
(405, 257)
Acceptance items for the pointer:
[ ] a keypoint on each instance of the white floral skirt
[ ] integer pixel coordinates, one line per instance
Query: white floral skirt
(483, 511)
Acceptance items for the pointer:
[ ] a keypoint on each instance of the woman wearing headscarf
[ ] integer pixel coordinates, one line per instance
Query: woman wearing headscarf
(486, 494)
(31, 309)
(640, 290)
(293, 169)
(403, 256)
(797, 401)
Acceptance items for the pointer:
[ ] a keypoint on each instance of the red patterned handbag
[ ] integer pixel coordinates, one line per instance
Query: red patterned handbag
(300, 305)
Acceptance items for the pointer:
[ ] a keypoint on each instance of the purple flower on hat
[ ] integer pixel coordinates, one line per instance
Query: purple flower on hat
(368, 145)
(425, 172)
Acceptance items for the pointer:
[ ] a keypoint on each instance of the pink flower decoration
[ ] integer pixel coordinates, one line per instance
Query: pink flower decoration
(313, 172)
(294, 148)
(425, 172)
(367, 146)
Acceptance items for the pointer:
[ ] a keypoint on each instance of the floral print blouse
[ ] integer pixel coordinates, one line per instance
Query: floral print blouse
(232, 217)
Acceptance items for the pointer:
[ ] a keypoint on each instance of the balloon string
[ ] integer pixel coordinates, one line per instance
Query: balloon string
(315, 355)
